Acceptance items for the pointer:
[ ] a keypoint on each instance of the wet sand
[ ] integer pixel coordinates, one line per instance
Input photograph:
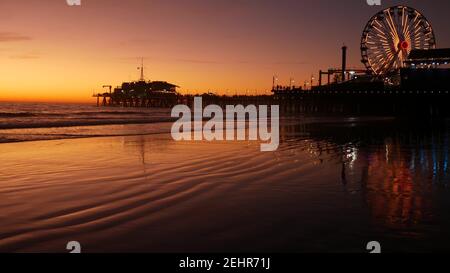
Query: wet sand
(151, 194)
(148, 194)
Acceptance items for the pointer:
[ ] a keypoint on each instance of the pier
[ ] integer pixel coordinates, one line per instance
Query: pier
(314, 102)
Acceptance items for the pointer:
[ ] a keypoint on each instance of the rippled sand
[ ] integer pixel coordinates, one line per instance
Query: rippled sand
(146, 194)
(151, 194)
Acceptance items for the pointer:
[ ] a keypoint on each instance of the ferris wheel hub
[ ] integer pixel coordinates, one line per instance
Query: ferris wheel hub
(403, 45)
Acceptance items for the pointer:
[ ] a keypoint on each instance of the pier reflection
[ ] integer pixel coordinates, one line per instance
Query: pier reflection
(398, 168)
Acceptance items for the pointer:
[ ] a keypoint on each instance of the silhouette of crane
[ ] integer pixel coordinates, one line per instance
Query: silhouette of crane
(108, 86)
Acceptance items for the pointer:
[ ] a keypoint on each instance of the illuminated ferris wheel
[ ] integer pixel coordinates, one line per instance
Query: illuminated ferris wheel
(389, 37)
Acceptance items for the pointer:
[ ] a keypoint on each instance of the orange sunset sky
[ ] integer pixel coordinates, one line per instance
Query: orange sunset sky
(50, 51)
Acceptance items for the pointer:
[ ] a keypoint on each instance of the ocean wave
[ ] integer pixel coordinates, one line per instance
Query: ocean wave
(113, 113)
(68, 114)
(83, 131)
(81, 122)
(16, 115)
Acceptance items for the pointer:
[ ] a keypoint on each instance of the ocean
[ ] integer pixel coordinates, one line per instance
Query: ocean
(45, 121)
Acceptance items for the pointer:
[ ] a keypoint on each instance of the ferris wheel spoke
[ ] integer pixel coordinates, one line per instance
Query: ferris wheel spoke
(406, 29)
(390, 31)
(408, 34)
(404, 21)
(393, 61)
(393, 27)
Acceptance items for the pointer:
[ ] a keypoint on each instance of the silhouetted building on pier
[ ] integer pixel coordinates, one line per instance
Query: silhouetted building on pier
(140, 93)
(428, 58)
(427, 70)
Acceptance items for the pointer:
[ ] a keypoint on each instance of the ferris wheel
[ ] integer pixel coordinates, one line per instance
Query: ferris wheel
(389, 37)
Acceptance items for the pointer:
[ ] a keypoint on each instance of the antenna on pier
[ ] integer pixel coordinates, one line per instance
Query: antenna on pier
(142, 70)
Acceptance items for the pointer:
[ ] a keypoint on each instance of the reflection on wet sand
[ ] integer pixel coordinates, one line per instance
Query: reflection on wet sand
(399, 167)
